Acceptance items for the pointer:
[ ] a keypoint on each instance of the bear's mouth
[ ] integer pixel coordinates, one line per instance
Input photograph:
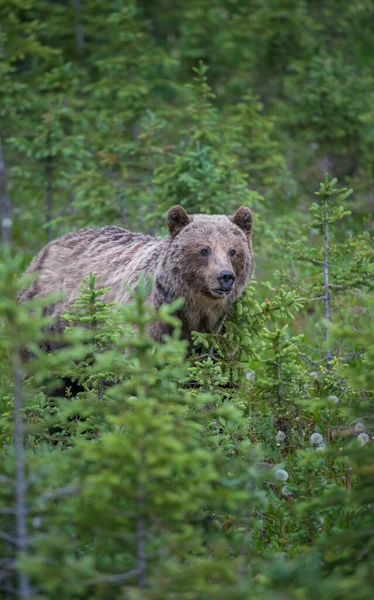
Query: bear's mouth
(220, 293)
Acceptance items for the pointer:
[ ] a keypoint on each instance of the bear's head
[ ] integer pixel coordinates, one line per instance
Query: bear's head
(210, 256)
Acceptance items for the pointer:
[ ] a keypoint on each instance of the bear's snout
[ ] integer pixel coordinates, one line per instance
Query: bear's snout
(226, 279)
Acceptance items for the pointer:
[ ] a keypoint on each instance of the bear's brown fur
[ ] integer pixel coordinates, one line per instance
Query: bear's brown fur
(188, 263)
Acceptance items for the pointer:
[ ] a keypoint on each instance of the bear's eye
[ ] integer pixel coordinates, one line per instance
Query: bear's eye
(232, 253)
(205, 252)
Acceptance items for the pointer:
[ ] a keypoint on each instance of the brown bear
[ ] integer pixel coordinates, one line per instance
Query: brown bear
(207, 260)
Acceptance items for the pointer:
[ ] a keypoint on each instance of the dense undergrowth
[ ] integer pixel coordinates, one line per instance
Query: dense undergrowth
(244, 468)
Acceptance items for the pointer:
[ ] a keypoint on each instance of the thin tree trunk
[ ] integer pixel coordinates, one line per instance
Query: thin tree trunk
(326, 296)
(122, 203)
(5, 202)
(141, 530)
(73, 210)
(1, 45)
(78, 28)
(48, 195)
(325, 164)
(244, 563)
(20, 479)
(279, 386)
(151, 205)
(140, 540)
(8, 588)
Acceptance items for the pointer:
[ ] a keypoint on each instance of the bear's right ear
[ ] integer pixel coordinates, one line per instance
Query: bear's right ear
(176, 219)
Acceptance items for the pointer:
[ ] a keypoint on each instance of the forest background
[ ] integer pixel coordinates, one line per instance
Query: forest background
(246, 470)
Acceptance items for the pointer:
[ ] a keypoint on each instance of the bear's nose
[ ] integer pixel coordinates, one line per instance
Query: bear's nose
(226, 279)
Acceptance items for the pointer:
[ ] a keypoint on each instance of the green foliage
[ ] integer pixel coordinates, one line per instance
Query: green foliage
(202, 175)
(245, 468)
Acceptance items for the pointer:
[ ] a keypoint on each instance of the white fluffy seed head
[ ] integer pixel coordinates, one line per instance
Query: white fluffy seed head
(286, 491)
(280, 437)
(316, 439)
(333, 399)
(359, 427)
(36, 522)
(7, 223)
(281, 475)
(363, 439)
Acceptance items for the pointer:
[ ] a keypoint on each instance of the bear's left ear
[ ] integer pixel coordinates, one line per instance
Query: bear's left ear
(176, 219)
(243, 219)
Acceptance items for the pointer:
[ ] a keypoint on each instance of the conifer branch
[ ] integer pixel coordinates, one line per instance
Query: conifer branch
(115, 578)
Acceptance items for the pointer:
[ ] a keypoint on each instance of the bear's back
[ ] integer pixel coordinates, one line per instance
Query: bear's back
(113, 253)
